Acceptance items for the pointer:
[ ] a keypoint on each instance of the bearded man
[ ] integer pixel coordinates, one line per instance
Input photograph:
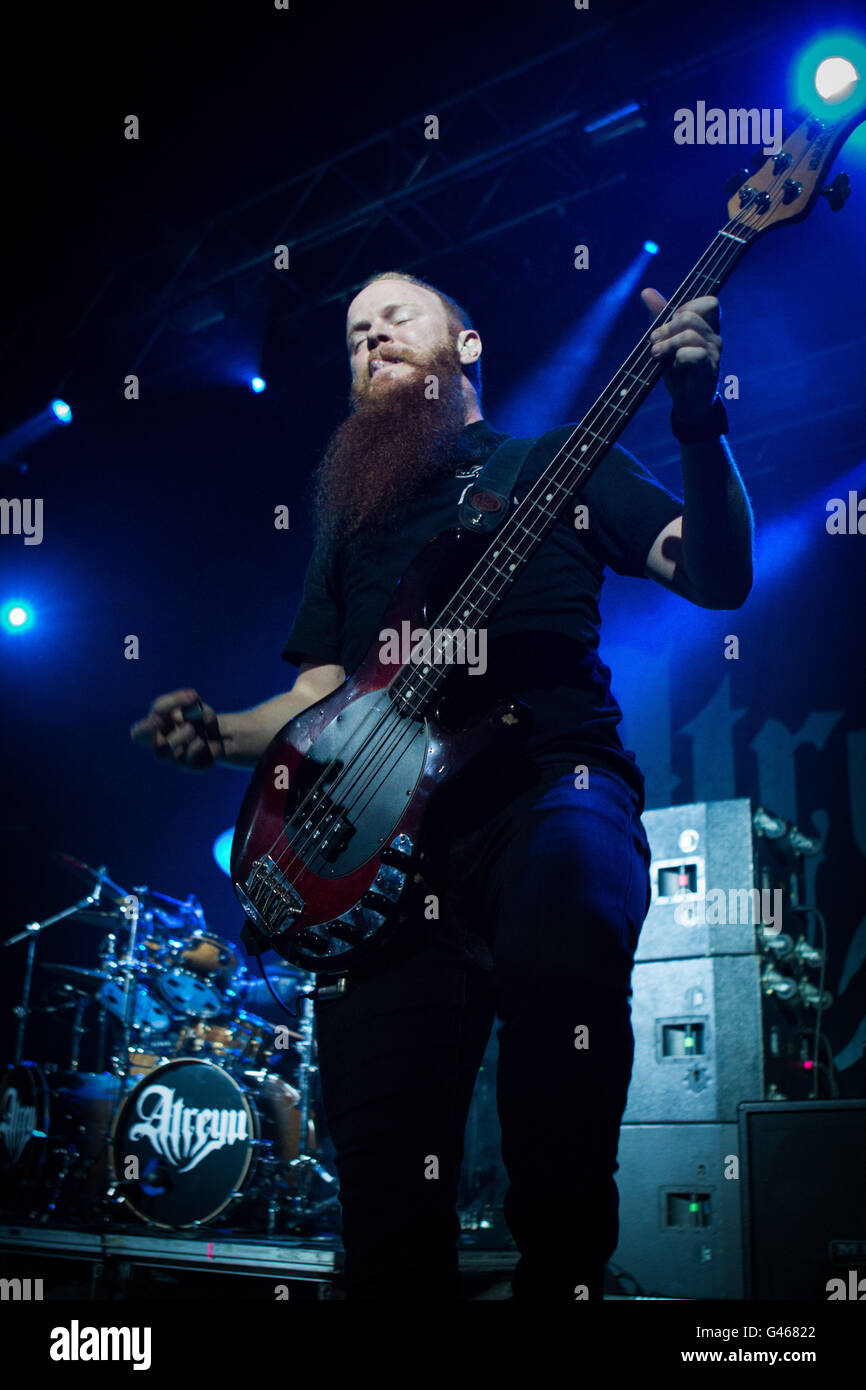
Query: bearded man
(542, 876)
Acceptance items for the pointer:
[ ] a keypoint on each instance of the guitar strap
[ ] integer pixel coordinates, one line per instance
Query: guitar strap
(486, 501)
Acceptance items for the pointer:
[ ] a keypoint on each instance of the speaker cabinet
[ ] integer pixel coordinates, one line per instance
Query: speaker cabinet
(803, 1177)
(679, 1215)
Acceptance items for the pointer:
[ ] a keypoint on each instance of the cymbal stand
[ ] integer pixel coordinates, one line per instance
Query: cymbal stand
(130, 907)
(30, 934)
(307, 1069)
(77, 1030)
(107, 957)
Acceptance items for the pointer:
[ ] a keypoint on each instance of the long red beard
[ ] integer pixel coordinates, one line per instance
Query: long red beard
(394, 442)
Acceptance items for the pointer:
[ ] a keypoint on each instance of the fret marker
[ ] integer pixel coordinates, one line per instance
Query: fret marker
(583, 448)
(512, 567)
(623, 392)
(549, 497)
(466, 612)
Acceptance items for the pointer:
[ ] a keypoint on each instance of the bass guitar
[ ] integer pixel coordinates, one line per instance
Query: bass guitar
(330, 830)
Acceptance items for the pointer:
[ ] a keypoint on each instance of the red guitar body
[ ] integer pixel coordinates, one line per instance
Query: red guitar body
(331, 826)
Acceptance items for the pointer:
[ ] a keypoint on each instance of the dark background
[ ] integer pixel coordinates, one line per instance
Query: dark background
(159, 513)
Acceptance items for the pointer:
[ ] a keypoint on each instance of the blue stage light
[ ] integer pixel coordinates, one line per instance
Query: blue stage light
(651, 248)
(222, 850)
(834, 77)
(553, 387)
(828, 74)
(257, 384)
(16, 616)
(62, 411)
(611, 117)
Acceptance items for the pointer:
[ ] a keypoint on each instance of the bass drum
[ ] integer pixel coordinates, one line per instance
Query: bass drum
(184, 1144)
(24, 1119)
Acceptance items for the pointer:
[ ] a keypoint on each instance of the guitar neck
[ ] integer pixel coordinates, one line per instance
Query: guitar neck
(517, 539)
(587, 445)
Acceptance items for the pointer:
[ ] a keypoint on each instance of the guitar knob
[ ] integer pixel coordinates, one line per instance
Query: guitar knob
(838, 192)
(736, 181)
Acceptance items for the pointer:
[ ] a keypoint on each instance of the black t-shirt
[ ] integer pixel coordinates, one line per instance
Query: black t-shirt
(542, 638)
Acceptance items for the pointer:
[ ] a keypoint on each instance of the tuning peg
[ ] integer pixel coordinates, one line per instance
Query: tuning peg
(736, 181)
(837, 192)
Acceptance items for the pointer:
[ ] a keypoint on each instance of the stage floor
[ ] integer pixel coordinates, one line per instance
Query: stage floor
(127, 1262)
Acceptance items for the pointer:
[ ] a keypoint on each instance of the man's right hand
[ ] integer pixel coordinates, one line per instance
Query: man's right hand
(194, 744)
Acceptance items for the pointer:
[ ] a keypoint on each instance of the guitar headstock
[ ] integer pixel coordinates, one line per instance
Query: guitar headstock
(787, 186)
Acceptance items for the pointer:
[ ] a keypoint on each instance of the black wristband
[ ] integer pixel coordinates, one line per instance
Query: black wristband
(714, 424)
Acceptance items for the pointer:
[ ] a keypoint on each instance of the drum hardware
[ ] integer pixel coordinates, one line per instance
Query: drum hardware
(84, 1104)
(150, 986)
(304, 1164)
(27, 1185)
(241, 1041)
(196, 976)
(129, 997)
(70, 998)
(107, 918)
(281, 987)
(147, 1011)
(190, 908)
(30, 934)
(78, 972)
(142, 1063)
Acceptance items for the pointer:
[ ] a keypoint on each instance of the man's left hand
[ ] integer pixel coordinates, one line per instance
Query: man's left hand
(689, 348)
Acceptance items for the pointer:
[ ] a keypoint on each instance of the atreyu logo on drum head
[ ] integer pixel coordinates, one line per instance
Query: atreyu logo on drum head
(184, 1134)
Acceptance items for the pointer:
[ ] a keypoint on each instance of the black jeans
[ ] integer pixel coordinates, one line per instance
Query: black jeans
(555, 884)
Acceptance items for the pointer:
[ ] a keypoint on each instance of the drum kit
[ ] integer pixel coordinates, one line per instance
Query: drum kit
(185, 1118)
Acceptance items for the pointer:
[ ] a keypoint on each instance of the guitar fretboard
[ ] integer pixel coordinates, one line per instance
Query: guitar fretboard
(516, 540)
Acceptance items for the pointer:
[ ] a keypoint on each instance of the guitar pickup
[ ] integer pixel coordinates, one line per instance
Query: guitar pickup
(327, 829)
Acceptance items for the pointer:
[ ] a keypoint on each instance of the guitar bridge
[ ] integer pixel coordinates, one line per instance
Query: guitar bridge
(268, 898)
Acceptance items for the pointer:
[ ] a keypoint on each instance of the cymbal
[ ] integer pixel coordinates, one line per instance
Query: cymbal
(169, 921)
(78, 972)
(88, 875)
(171, 912)
(109, 918)
(189, 906)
